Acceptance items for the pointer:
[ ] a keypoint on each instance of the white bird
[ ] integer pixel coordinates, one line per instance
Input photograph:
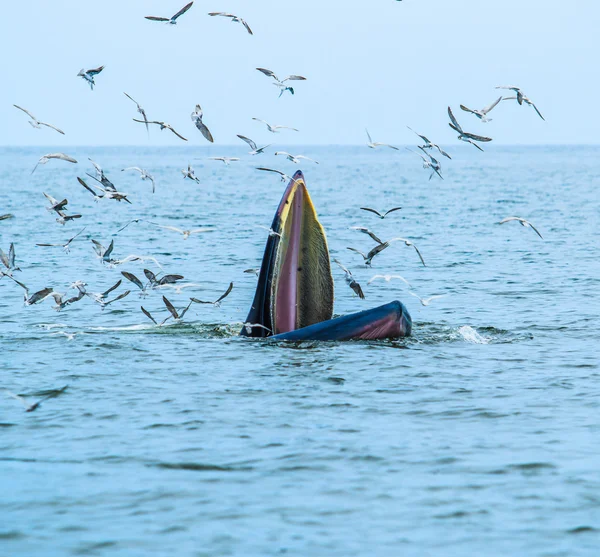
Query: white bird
(294, 158)
(197, 119)
(38, 123)
(272, 232)
(66, 245)
(427, 301)
(463, 135)
(173, 19)
(429, 163)
(482, 114)
(49, 156)
(247, 327)
(429, 144)
(226, 160)
(163, 126)
(388, 278)
(179, 287)
(351, 282)
(35, 298)
(521, 98)
(100, 297)
(89, 75)
(140, 110)
(234, 18)
(189, 173)
(292, 77)
(522, 222)
(255, 149)
(8, 261)
(216, 303)
(144, 174)
(375, 145)
(408, 243)
(186, 233)
(284, 177)
(35, 405)
(380, 215)
(274, 128)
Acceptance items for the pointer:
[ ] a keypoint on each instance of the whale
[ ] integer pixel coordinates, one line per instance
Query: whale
(294, 297)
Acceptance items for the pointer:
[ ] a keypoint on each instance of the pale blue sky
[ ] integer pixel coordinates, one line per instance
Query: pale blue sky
(379, 64)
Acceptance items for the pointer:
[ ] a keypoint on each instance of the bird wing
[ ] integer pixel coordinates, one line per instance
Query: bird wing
(476, 137)
(454, 121)
(131, 98)
(223, 296)
(419, 254)
(305, 158)
(204, 130)
(342, 267)
(535, 229)
(391, 211)
(109, 250)
(154, 18)
(179, 135)
(113, 287)
(26, 112)
(373, 211)
(416, 296)
(511, 87)
(4, 259)
(419, 154)
(50, 198)
(173, 228)
(463, 107)
(182, 11)
(21, 399)
(443, 152)
(86, 186)
(377, 249)
(132, 278)
(357, 288)
(98, 247)
(268, 73)
(147, 314)
(536, 109)
(248, 141)
(368, 232)
(95, 71)
(62, 157)
(358, 251)
(220, 13)
(199, 230)
(294, 78)
(169, 279)
(119, 297)
(150, 276)
(51, 126)
(171, 308)
(39, 296)
(509, 219)
(245, 24)
(489, 107)
(421, 136)
(11, 254)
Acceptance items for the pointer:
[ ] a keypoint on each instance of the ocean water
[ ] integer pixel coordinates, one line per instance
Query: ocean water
(476, 436)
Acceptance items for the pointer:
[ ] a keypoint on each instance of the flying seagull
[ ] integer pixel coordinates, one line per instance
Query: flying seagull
(144, 174)
(464, 136)
(140, 110)
(59, 156)
(89, 75)
(247, 327)
(101, 177)
(162, 281)
(522, 222)
(351, 282)
(216, 303)
(294, 158)
(274, 128)
(367, 232)
(102, 252)
(427, 301)
(132, 278)
(369, 256)
(283, 175)
(9, 261)
(149, 316)
(35, 298)
(380, 215)
(197, 119)
(255, 149)
(100, 297)
(96, 197)
(388, 278)
(429, 163)
(408, 243)
(375, 145)
(189, 173)
(521, 98)
(6, 216)
(482, 114)
(38, 123)
(55, 205)
(186, 233)
(163, 126)
(429, 144)
(66, 245)
(35, 405)
(234, 18)
(226, 160)
(172, 20)
(177, 315)
(281, 82)
(61, 303)
(272, 232)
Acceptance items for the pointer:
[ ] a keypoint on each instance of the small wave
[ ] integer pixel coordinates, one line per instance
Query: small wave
(471, 335)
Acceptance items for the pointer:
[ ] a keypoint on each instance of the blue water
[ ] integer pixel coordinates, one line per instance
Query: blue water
(477, 436)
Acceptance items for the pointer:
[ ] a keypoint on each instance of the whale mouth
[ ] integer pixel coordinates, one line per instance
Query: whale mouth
(295, 286)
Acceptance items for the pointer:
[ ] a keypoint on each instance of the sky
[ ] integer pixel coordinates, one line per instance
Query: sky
(376, 64)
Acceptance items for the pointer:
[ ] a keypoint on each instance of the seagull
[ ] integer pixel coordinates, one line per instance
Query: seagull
(61, 303)
(216, 303)
(102, 252)
(132, 278)
(101, 177)
(64, 246)
(272, 233)
(143, 259)
(367, 232)
(144, 175)
(522, 222)
(284, 177)
(429, 163)
(482, 114)
(380, 215)
(38, 123)
(100, 297)
(89, 75)
(255, 149)
(7, 216)
(408, 243)
(369, 256)
(274, 128)
(178, 287)
(234, 18)
(35, 405)
(124, 227)
(464, 136)
(172, 20)
(96, 197)
(35, 298)
(429, 144)
(247, 327)
(388, 278)
(226, 160)
(427, 301)
(63, 218)
(119, 297)
(9, 261)
(108, 193)
(55, 204)
(163, 126)
(197, 119)
(375, 145)
(521, 98)
(149, 316)
(186, 233)
(189, 173)
(252, 271)
(59, 156)
(163, 281)
(294, 158)
(283, 88)
(140, 110)
(351, 282)
(177, 315)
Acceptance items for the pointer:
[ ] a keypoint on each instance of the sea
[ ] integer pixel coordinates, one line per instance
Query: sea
(478, 435)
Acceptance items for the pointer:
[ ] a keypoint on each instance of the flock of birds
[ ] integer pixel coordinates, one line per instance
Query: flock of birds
(102, 188)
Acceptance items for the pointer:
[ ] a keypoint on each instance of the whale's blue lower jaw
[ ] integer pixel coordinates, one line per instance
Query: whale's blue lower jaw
(391, 320)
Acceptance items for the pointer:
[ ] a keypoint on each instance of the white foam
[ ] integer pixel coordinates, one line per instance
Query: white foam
(471, 335)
